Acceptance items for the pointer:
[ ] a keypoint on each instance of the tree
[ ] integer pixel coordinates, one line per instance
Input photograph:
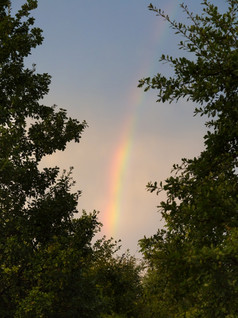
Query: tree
(192, 263)
(43, 250)
(36, 205)
(119, 282)
(49, 266)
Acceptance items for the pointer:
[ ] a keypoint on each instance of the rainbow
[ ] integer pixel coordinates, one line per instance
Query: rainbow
(120, 158)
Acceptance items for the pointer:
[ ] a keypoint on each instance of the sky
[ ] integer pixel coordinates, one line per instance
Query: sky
(96, 52)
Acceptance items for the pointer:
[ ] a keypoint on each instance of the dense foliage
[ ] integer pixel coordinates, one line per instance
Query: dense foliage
(193, 262)
(49, 266)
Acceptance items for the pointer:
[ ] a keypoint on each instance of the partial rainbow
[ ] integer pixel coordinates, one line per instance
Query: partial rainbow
(121, 156)
(119, 165)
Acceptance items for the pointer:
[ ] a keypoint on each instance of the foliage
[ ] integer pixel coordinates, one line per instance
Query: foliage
(47, 258)
(119, 282)
(192, 263)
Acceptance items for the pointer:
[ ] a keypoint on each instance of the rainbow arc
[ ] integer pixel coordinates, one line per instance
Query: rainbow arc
(121, 156)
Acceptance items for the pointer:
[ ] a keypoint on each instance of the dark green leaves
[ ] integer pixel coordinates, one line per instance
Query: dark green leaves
(49, 266)
(192, 264)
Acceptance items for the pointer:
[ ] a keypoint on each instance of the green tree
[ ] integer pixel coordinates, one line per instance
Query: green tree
(192, 262)
(118, 281)
(44, 252)
(49, 266)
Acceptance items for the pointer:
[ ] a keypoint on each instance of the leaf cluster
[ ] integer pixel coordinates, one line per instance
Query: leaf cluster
(192, 262)
(49, 266)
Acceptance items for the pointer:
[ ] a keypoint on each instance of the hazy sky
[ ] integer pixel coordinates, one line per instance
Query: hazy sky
(96, 52)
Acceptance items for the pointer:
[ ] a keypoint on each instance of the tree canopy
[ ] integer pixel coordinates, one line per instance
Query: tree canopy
(192, 262)
(49, 266)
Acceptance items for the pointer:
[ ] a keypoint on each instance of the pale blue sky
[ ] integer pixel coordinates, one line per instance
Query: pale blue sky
(96, 51)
